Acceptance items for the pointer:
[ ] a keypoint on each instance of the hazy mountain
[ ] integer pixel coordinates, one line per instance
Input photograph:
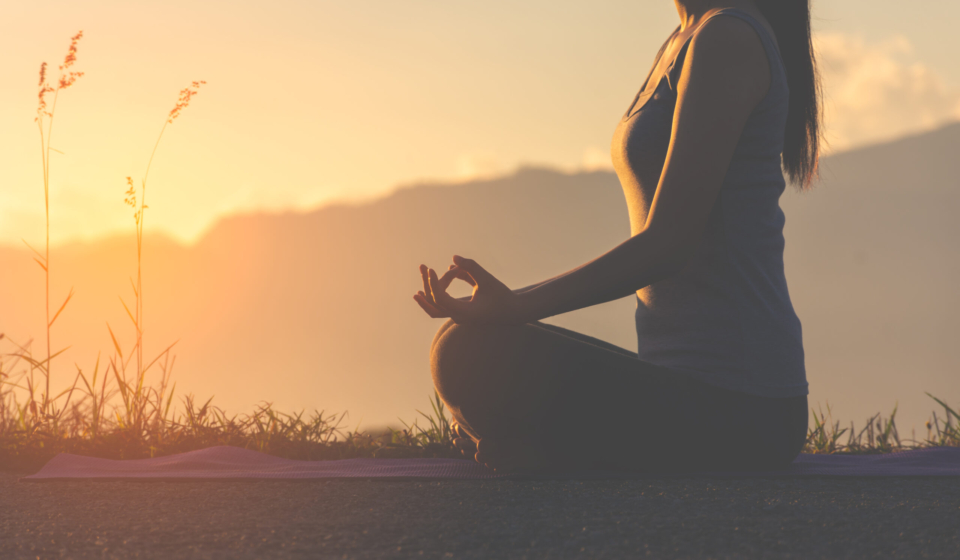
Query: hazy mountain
(315, 309)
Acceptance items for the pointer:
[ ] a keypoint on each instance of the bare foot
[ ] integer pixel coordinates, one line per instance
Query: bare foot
(463, 442)
(509, 456)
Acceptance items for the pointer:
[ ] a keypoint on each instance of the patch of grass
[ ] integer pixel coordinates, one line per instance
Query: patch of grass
(106, 414)
(879, 434)
(142, 425)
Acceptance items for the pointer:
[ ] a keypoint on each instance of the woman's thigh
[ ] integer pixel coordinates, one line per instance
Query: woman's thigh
(587, 339)
(548, 384)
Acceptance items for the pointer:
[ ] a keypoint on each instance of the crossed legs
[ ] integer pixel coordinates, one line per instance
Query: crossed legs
(536, 396)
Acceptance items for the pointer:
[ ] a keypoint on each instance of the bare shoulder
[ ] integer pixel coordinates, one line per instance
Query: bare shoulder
(729, 35)
(728, 51)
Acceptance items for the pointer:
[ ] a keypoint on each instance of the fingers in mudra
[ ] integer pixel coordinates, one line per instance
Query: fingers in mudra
(425, 298)
(434, 289)
(492, 302)
(430, 310)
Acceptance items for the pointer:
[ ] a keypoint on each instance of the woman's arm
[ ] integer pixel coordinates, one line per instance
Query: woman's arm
(725, 74)
(533, 286)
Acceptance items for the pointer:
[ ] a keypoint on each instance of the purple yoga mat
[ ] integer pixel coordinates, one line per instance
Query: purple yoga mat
(226, 463)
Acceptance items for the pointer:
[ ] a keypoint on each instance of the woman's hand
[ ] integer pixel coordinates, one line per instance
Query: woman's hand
(425, 300)
(492, 302)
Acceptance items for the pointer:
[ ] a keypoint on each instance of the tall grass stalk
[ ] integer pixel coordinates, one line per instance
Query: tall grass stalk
(138, 216)
(65, 79)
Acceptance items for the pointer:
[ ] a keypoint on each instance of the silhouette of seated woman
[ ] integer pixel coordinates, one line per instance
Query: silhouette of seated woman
(718, 381)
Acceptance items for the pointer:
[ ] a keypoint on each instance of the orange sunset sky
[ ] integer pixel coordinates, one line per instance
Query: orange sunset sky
(308, 102)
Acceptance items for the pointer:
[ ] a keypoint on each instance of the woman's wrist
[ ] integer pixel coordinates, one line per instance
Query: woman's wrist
(528, 307)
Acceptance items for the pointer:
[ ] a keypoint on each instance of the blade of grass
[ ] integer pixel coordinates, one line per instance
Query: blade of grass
(65, 302)
(116, 344)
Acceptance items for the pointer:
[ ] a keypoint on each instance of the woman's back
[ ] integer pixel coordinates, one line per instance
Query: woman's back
(727, 318)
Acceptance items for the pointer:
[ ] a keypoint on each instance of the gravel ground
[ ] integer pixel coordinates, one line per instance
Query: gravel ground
(677, 518)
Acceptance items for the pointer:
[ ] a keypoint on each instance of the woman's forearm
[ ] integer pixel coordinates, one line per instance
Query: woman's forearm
(637, 262)
(532, 286)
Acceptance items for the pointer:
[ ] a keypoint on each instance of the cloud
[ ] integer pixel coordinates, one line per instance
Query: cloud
(879, 91)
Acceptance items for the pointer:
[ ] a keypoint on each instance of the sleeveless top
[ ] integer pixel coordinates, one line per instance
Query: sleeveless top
(726, 319)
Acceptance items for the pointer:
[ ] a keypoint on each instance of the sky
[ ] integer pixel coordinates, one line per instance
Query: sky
(309, 102)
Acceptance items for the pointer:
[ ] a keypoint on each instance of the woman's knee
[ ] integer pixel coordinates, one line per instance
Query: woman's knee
(481, 374)
(447, 325)
(473, 362)
(452, 355)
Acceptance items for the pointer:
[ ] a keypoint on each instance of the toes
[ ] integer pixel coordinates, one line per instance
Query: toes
(484, 449)
(490, 454)
(459, 431)
(466, 446)
(463, 441)
(507, 456)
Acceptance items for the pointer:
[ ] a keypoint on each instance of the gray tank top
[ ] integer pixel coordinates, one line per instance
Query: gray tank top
(726, 318)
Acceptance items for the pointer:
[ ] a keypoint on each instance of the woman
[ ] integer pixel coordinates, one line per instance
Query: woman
(718, 381)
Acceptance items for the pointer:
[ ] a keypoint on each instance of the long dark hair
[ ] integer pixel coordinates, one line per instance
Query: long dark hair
(790, 20)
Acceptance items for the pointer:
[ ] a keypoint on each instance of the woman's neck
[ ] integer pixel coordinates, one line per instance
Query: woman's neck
(692, 11)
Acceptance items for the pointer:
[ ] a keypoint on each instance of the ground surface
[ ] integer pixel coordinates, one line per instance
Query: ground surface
(679, 518)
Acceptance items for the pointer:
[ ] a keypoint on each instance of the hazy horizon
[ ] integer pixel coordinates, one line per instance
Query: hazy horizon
(168, 237)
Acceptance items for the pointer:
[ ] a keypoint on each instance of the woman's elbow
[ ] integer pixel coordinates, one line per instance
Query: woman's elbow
(673, 251)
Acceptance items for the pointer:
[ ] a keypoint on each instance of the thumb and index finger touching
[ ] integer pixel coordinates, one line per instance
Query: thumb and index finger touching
(472, 268)
(438, 291)
(435, 286)
(465, 269)
(452, 273)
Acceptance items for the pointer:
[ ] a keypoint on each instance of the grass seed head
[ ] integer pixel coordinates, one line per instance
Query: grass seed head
(72, 51)
(68, 77)
(184, 99)
(131, 199)
(42, 93)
